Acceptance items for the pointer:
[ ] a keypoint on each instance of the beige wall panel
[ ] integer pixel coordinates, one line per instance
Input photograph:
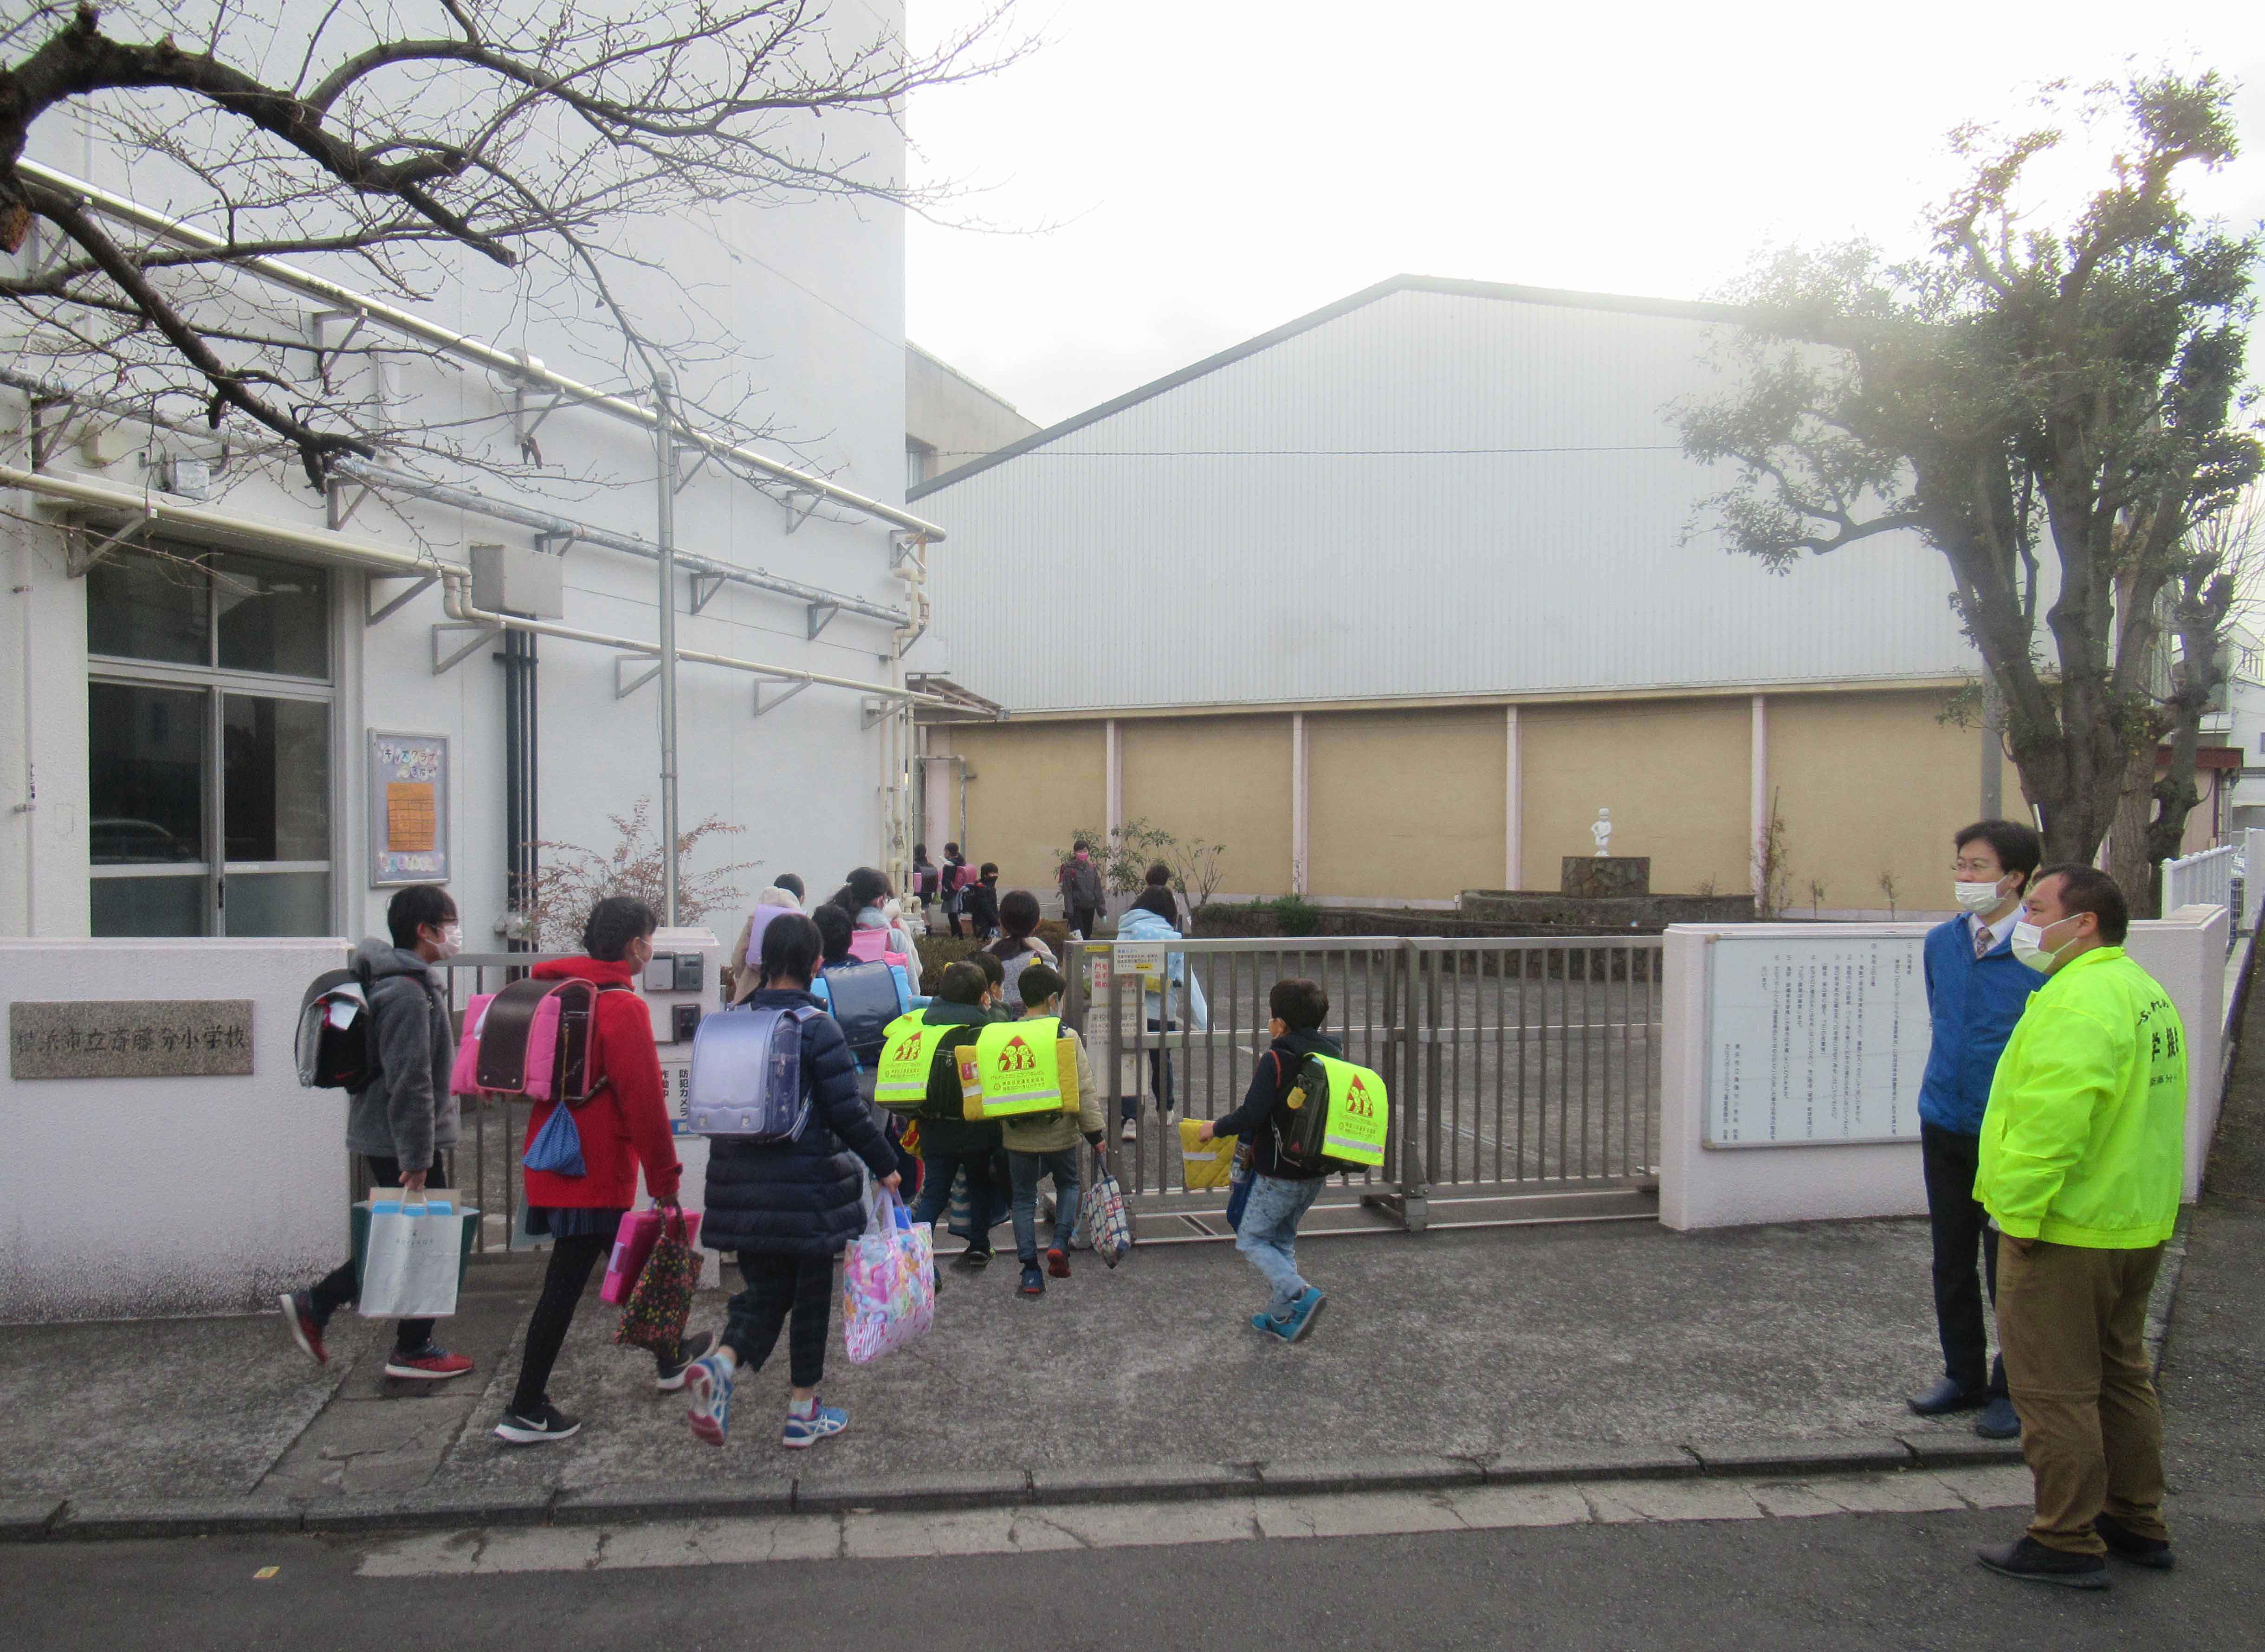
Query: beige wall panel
(1405, 805)
(1216, 779)
(1870, 783)
(1035, 784)
(1673, 772)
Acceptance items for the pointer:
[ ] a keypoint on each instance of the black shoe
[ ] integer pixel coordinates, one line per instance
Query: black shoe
(1947, 1396)
(670, 1377)
(1999, 1420)
(544, 1423)
(2032, 1561)
(971, 1258)
(2127, 1544)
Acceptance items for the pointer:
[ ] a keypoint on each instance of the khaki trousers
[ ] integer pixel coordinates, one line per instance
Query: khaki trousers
(2072, 1323)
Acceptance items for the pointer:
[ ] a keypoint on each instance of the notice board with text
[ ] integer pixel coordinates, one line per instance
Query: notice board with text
(1813, 1041)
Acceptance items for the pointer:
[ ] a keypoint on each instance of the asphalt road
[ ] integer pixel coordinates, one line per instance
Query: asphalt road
(1899, 1581)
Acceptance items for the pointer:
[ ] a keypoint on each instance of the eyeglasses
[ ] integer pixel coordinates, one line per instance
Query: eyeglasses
(1978, 868)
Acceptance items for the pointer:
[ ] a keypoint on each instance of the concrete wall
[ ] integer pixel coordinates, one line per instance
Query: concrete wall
(1703, 1187)
(1405, 805)
(1215, 780)
(817, 325)
(951, 417)
(1408, 805)
(1032, 787)
(169, 1196)
(1872, 784)
(1673, 772)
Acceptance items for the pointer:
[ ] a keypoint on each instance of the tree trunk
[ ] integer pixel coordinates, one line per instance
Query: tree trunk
(2130, 858)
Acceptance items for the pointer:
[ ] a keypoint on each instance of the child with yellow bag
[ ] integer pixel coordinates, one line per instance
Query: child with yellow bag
(1045, 1143)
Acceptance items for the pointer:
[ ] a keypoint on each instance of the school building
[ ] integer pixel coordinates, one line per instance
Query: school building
(1392, 600)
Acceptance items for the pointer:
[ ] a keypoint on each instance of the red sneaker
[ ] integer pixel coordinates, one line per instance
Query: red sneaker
(1057, 1263)
(429, 1363)
(299, 1319)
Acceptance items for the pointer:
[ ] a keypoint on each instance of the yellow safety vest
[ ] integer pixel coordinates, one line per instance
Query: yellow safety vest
(1016, 1070)
(908, 1053)
(1359, 1111)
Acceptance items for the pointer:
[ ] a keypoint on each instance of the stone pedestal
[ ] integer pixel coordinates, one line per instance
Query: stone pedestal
(1606, 875)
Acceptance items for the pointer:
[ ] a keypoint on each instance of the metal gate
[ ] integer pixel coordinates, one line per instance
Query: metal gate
(1525, 1073)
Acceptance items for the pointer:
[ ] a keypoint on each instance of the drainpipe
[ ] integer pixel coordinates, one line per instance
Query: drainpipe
(664, 441)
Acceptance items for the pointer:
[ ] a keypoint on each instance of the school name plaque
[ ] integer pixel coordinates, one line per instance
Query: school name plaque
(130, 1038)
(1811, 1042)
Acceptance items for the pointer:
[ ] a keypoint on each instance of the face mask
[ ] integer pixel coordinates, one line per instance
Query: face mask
(452, 939)
(2029, 945)
(1976, 897)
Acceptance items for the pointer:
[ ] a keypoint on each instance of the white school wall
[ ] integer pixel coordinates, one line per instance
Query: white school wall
(811, 295)
(169, 1196)
(1704, 1187)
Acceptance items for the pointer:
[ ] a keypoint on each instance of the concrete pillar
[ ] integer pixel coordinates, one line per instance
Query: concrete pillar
(1112, 768)
(1513, 807)
(1758, 800)
(1298, 771)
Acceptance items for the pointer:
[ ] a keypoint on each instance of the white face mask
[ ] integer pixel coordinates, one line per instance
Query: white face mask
(1976, 897)
(2029, 945)
(452, 939)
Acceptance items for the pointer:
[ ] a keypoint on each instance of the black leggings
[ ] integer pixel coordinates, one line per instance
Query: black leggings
(776, 1284)
(572, 1260)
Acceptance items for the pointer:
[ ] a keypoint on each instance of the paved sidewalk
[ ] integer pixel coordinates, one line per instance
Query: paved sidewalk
(1515, 1354)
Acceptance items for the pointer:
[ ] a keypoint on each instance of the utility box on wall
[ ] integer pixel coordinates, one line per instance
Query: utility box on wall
(510, 579)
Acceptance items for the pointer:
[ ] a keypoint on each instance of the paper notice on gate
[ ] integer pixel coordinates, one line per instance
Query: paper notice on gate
(1142, 958)
(410, 817)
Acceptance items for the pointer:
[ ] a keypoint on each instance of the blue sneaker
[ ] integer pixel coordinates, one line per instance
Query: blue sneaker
(1271, 1325)
(808, 1430)
(709, 1382)
(1303, 1312)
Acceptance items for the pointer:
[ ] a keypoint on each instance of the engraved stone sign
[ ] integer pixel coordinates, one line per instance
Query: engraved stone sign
(130, 1038)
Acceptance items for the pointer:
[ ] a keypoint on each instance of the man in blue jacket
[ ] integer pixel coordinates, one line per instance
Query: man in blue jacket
(1975, 991)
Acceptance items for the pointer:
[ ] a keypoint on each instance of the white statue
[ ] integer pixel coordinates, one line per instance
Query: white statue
(1602, 831)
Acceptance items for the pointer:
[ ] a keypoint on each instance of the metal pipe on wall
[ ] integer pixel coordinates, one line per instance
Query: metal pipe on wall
(456, 578)
(664, 443)
(543, 522)
(276, 272)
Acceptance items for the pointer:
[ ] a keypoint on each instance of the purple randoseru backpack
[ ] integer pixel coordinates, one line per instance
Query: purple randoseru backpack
(746, 1081)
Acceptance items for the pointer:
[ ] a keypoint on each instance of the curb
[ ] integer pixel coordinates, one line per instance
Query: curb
(113, 1519)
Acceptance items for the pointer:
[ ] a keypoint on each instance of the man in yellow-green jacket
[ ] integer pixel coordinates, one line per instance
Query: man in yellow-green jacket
(2080, 1166)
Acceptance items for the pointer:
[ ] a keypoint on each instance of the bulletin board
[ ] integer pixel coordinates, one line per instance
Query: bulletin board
(408, 808)
(1815, 1039)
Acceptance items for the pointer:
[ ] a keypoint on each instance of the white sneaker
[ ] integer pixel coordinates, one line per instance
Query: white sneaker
(1131, 1131)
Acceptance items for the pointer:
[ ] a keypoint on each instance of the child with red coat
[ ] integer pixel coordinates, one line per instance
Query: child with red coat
(625, 1124)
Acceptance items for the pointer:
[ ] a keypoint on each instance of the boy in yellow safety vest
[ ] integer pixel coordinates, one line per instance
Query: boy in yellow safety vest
(1043, 1144)
(1281, 1193)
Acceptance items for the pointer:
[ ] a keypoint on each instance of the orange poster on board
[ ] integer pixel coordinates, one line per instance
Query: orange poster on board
(409, 816)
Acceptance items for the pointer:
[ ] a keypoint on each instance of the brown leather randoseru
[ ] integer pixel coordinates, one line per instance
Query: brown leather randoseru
(506, 1039)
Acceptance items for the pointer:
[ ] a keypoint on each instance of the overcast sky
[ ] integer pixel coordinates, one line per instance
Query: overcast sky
(1216, 167)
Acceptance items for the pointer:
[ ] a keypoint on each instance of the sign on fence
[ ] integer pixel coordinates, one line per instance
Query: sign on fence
(1814, 1041)
(1144, 959)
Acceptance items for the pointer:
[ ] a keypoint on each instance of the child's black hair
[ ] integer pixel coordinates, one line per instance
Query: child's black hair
(614, 922)
(1038, 983)
(834, 930)
(1299, 1004)
(789, 949)
(994, 970)
(962, 983)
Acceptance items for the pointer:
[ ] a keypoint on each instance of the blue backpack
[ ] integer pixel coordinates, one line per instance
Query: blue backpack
(746, 1081)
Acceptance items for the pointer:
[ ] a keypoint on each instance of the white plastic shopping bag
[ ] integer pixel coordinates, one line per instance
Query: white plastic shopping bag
(414, 1259)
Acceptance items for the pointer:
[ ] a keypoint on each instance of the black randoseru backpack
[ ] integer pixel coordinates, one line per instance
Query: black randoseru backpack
(333, 1045)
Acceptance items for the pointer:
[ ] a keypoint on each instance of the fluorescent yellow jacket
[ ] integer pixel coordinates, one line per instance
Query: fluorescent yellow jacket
(2084, 1139)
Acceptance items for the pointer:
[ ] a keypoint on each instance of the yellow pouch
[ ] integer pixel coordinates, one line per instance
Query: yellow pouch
(1207, 1164)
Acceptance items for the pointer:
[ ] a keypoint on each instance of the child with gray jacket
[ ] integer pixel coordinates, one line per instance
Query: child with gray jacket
(400, 1120)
